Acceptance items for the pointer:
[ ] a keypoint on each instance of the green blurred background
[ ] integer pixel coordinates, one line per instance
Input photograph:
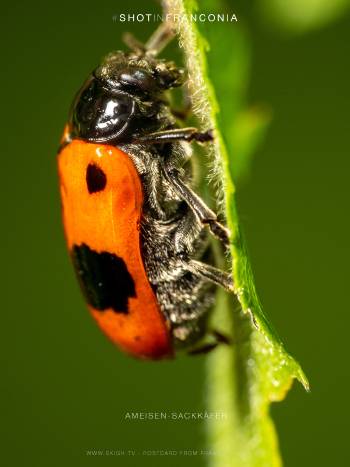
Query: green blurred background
(65, 388)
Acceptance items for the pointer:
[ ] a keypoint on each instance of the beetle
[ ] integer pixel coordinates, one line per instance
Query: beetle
(136, 231)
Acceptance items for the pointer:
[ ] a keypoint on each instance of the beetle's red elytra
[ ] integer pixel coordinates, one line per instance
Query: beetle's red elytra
(135, 229)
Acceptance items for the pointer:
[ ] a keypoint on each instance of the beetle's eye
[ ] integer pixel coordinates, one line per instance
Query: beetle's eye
(138, 79)
(99, 115)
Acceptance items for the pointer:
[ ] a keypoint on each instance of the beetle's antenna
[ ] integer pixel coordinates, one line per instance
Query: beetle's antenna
(155, 44)
(160, 39)
(134, 44)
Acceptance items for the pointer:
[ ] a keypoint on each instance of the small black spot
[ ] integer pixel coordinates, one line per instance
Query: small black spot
(95, 178)
(104, 279)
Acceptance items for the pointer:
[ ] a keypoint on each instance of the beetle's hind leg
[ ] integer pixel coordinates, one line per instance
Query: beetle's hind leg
(206, 348)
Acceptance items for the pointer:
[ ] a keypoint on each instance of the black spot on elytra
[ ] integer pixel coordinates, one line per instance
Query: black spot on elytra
(95, 178)
(104, 279)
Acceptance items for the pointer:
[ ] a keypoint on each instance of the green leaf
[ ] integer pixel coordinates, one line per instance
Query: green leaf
(243, 379)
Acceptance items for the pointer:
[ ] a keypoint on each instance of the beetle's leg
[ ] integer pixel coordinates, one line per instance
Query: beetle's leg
(187, 231)
(175, 134)
(202, 211)
(221, 338)
(206, 348)
(210, 273)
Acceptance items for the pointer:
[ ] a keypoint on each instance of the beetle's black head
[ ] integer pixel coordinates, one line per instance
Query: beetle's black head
(140, 75)
(123, 94)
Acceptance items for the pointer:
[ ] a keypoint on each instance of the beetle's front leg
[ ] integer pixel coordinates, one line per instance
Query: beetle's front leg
(175, 134)
(205, 215)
